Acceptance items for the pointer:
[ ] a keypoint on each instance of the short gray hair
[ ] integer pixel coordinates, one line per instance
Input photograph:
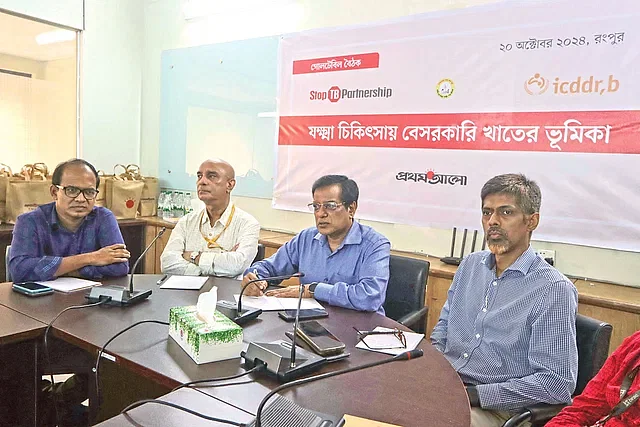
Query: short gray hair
(526, 192)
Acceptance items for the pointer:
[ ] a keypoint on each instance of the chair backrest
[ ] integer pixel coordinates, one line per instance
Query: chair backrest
(260, 254)
(406, 288)
(7, 274)
(592, 337)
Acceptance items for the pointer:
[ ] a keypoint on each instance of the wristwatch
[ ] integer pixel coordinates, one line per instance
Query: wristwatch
(193, 256)
(311, 287)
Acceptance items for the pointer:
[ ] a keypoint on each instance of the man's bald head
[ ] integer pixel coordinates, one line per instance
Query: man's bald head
(222, 165)
(216, 179)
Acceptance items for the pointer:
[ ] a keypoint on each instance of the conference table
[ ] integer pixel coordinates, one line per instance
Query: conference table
(18, 361)
(420, 392)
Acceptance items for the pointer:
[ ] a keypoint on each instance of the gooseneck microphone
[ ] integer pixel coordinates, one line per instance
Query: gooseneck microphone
(265, 279)
(272, 410)
(295, 329)
(234, 311)
(135, 264)
(120, 295)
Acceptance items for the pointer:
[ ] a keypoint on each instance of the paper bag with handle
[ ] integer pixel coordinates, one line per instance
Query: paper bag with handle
(150, 191)
(27, 190)
(5, 174)
(123, 192)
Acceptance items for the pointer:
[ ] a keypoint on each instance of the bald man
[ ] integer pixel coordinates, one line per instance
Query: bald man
(219, 240)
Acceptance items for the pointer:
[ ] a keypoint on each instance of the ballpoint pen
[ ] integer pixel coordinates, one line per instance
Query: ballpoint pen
(162, 279)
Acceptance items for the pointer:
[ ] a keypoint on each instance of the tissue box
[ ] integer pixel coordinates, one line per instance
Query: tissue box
(202, 341)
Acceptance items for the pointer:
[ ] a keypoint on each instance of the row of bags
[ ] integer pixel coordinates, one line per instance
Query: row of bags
(127, 194)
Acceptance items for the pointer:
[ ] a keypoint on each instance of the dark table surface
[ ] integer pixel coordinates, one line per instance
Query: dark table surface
(16, 326)
(157, 415)
(425, 391)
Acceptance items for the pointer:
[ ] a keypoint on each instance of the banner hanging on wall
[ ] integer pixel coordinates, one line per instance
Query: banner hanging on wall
(422, 111)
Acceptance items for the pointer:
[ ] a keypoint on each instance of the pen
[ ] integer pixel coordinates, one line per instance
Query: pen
(162, 279)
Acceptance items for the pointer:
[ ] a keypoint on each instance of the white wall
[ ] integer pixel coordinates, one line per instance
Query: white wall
(64, 12)
(111, 82)
(165, 28)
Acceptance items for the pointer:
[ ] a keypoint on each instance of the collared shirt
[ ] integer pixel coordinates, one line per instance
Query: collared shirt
(40, 242)
(512, 336)
(243, 231)
(603, 391)
(354, 276)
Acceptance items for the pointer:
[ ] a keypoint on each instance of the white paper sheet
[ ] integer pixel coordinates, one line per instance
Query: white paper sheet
(276, 304)
(381, 341)
(184, 282)
(69, 284)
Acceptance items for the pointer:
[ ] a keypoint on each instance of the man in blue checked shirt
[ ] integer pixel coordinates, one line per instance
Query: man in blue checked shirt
(345, 263)
(508, 325)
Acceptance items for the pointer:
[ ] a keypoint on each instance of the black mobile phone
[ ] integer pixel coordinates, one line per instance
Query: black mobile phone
(306, 314)
(32, 289)
(319, 338)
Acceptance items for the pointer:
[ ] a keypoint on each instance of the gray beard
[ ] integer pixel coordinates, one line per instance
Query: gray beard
(498, 249)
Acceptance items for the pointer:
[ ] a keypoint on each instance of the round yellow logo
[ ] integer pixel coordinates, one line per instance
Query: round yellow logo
(445, 88)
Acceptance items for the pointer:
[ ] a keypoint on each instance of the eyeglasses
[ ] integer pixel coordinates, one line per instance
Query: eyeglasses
(382, 343)
(73, 192)
(328, 206)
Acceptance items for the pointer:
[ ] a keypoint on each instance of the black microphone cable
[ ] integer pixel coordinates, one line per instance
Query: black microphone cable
(407, 355)
(46, 347)
(97, 367)
(258, 368)
(181, 408)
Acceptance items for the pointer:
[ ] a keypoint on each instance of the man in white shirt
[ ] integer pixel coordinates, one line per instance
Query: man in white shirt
(219, 240)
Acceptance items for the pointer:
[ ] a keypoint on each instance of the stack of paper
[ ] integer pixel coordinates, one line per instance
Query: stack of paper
(276, 304)
(69, 284)
(184, 282)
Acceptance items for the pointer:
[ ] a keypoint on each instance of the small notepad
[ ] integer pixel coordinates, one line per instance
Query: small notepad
(184, 282)
(69, 284)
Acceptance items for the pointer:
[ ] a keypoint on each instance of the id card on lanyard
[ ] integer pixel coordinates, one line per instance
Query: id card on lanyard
(626, 402)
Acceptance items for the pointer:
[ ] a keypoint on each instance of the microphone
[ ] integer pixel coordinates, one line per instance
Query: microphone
(295, 329)
(280, 356)
(234, 311)
(274, 412)
(120, 295)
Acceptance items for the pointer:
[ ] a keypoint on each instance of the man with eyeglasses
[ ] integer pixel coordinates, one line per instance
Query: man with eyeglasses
(70, 236)
(345, 263)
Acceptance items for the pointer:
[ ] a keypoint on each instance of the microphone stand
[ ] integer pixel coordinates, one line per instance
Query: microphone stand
(407, 355)
(119, 295)
(295, 329)
(234, 311)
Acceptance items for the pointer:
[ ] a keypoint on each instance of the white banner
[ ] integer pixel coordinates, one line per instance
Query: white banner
(422, 111)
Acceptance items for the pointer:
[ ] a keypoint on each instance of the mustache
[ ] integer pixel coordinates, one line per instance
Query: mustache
(496, 230)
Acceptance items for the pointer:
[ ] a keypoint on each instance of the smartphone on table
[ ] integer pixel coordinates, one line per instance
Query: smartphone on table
(319, 338)
(32, 289)
(306, 314)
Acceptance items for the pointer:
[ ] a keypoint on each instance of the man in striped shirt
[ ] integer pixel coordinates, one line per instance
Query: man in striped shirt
(508, 325)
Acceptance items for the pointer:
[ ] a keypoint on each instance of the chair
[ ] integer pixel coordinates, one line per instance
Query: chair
(7, 273)
(405, 292)
(260, 254)
(593, 337)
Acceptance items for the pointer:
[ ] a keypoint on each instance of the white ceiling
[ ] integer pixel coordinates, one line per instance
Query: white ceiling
(18, 38)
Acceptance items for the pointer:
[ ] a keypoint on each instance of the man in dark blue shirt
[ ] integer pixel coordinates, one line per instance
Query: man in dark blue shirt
(70, 236)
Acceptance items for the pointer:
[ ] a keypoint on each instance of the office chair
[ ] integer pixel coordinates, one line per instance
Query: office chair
(260, 254)
(592, 337)
(7, 273)
(405, 292)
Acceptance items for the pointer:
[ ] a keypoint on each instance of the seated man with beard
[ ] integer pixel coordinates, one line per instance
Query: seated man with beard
(508, 325)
